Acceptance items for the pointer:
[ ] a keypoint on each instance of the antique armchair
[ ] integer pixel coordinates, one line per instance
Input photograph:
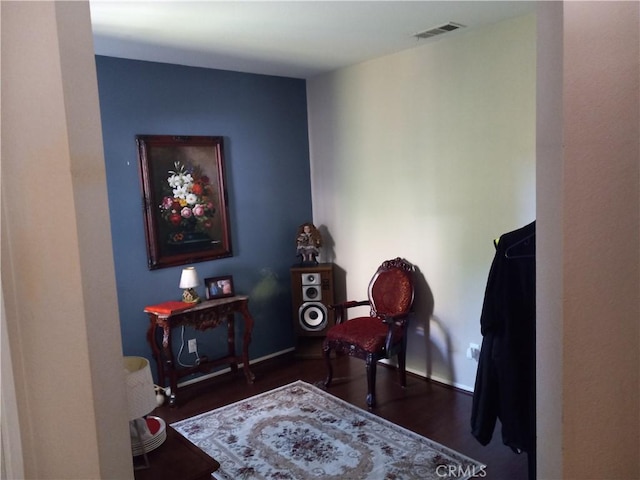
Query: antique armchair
(380, 335)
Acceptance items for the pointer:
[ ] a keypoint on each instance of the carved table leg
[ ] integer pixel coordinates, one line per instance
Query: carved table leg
(155, 350)
(168, 361)
(246, 340)
(231, 341)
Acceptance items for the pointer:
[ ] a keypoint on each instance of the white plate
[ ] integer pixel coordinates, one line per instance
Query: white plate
(150, 447)
(150, 443)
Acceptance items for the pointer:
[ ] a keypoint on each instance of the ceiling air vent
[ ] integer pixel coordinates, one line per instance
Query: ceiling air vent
(447, 27)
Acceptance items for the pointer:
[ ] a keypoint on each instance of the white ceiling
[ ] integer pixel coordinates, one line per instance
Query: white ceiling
(297, 39)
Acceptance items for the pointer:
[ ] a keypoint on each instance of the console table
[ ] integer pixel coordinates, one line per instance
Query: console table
(203, 316)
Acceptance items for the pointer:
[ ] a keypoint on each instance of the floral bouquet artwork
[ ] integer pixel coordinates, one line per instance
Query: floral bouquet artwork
(188, 206)
(185, 205)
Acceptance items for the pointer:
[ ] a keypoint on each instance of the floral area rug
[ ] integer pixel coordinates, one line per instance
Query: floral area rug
(300, 432)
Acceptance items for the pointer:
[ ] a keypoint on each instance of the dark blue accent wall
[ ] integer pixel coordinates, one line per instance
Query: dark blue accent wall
(263, 120)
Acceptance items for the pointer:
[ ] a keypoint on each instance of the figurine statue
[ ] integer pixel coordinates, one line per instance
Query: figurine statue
(308, 243)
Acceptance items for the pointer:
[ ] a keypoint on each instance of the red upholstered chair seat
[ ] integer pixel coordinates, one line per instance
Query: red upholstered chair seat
(367, 333)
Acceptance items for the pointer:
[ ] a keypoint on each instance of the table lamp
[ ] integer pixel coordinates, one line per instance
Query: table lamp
(189, 280)
(141, 395)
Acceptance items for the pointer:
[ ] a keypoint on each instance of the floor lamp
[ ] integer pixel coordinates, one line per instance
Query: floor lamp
(141, 396)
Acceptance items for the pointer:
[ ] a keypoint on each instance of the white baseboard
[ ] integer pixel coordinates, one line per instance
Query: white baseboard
(459, 386)
(435, 378)
(228, 369)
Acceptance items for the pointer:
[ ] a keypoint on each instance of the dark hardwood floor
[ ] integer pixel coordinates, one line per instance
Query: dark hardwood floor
(430, 409)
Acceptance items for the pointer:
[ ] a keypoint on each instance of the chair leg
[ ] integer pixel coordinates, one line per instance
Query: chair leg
(327, 360)
(402, 367)
(371, 381)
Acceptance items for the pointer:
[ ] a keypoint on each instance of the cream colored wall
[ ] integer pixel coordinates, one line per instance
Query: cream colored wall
(588, 349)
(58, 278)
(601, 240)
(429, 154)
(549, 244)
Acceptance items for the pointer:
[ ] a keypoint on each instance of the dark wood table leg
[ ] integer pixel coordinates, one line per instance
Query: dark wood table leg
(169, 362)
(246, 340)
(155, 350)
(231, 342)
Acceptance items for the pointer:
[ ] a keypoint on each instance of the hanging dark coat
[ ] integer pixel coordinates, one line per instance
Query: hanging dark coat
(505, 380)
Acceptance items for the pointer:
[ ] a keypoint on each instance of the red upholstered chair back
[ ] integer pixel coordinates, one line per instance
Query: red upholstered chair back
(391, 288)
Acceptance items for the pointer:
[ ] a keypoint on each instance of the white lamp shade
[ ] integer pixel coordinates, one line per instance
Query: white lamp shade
(141, 396)
(189, 278)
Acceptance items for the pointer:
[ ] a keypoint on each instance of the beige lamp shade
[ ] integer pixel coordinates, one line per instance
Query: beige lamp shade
(141, 396)
(189, 278)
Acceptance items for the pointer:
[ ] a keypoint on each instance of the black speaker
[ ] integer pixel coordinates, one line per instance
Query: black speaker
(311, 293)
(313, 317)
(311, 286)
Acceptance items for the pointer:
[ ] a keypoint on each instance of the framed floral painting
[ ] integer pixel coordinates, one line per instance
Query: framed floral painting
(184, 199)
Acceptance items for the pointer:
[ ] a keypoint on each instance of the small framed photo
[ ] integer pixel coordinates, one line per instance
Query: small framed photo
(219, 287)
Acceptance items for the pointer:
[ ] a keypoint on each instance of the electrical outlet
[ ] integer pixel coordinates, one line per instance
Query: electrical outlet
(193, 346)
(473, 352)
